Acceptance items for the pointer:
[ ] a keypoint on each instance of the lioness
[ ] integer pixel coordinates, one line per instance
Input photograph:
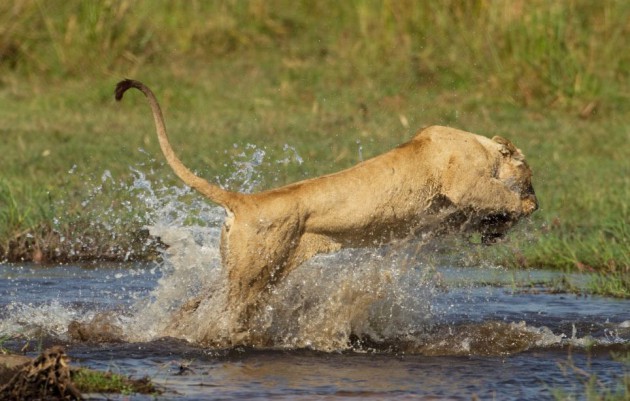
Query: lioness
(442, 180)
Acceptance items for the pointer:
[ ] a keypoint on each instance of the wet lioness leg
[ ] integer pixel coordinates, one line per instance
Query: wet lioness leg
(257, 256)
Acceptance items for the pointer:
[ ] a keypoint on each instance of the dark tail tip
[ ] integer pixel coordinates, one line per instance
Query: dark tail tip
(123, 85)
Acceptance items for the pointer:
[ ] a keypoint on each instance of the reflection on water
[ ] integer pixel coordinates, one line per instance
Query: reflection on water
(46, 300)
(310, 375)
(470, 319)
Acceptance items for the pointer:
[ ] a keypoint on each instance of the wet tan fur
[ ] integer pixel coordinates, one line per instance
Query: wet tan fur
(442, 180)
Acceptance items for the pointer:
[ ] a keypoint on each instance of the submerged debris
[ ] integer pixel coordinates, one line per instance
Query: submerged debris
(50, 377)
(47, 377)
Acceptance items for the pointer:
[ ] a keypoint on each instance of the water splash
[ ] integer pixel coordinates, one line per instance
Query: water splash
(321, 305)
(32, 320)
(377, 294)
(390, 298)
(246, 176)
(352, 294)
(384, 298)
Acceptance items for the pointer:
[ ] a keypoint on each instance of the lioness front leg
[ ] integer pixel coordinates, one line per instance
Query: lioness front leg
(502, 208)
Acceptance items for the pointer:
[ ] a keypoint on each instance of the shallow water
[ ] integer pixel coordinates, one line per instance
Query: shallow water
(482, 334)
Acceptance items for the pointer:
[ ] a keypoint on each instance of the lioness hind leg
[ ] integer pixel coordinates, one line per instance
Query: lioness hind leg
(255, 264)
(249, 284)
(255, 258)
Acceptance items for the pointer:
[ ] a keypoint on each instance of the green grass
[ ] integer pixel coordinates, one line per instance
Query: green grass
(91, 381)
(592, 388)
(325, 78)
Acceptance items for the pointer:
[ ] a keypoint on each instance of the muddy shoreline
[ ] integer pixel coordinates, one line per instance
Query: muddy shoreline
(51, 376)
(46, 246)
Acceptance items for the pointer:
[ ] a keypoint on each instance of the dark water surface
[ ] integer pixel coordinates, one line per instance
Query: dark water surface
(485, 332)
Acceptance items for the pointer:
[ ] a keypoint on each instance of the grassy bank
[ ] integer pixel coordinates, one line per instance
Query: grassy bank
(335, 80)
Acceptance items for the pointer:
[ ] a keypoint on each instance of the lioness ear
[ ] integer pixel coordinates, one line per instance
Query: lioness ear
(507, 148)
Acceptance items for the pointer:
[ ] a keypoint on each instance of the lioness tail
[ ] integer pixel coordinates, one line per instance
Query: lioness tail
(213, 192)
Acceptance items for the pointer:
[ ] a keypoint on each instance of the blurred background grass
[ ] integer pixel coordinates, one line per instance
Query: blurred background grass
(338, 81)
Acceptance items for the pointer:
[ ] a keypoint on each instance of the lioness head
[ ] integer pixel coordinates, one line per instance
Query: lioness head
(514, 172)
